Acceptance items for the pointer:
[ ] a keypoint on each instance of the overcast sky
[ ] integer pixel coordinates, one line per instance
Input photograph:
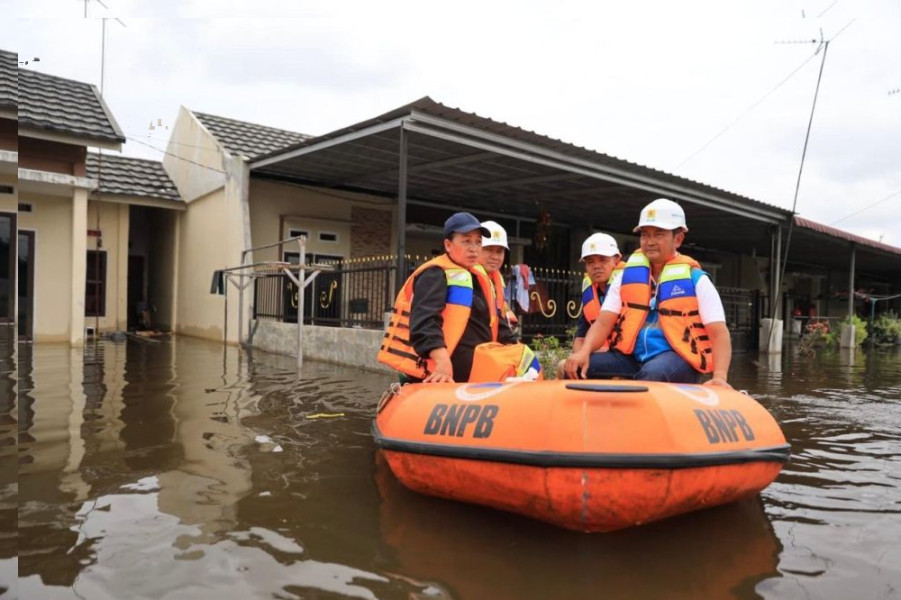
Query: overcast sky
(719, 92)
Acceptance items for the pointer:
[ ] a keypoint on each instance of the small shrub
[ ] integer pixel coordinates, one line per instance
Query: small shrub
(887, 328)
(551, 351)
(816, 333)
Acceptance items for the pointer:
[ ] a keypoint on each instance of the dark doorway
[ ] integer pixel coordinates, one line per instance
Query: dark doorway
(7, 267)
(136, 289)
(25, 253)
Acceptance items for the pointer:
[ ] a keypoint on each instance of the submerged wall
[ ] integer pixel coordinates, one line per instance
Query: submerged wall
(339, 345)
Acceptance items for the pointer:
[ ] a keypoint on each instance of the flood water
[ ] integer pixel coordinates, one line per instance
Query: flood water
(180, 469)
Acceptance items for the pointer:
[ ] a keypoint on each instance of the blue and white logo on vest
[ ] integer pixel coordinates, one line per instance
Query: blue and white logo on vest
(676, 291)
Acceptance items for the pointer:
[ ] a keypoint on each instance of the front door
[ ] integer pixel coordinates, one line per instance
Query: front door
(26, 253)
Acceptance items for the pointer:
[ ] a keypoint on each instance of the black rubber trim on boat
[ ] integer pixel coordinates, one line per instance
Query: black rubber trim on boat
(605, 387)
(585, 460)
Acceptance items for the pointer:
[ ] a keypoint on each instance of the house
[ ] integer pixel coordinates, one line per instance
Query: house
(228, 212)
(383, 187)
(79, 217)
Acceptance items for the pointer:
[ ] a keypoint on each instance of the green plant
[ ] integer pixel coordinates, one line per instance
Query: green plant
(860, 328)
(887, 328)
(551, 351)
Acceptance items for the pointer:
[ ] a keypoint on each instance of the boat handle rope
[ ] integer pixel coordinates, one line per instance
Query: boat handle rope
(392, 391)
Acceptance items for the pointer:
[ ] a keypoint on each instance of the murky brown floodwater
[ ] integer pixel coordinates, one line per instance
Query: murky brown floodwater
(139, 476)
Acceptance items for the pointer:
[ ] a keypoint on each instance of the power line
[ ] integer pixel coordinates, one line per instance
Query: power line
(749, 109)
(143, 143)
(825, 10)
(769, 93)
(867, 207)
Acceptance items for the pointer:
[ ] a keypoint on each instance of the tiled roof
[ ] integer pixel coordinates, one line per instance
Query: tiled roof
(64, 106)
(127, 176)
(431, 108)
(248, 139)
(841, 234)
(9, 79)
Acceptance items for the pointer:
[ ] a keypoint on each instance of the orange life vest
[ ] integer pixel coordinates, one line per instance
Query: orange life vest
(397, 350)
(677, 309)
(503, 309)
(591, 302)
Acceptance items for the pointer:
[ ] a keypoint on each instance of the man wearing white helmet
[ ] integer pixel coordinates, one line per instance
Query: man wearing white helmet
(601, 256)
(663, 319)
(492, 259)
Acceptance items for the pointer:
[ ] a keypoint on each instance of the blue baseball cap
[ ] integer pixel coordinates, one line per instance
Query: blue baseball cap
(463, 222)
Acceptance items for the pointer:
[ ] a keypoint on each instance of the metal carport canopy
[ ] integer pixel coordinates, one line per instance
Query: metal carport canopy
(462, 160)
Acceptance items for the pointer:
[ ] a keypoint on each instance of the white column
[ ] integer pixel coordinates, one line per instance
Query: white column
(79, 265)
(121, 323)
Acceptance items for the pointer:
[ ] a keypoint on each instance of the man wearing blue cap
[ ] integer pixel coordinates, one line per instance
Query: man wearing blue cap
(444, 310)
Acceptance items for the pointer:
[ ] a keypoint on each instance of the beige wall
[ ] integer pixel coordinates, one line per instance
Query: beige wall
(51, 220)
(211, 233)
(276, 208)
(209, 239)
(114, 226)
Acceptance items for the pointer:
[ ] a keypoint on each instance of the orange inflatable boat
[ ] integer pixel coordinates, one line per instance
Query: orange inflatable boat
(587, 455)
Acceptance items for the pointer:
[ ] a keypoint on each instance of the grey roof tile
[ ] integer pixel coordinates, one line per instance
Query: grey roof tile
(127, 176)
(9, 79)
(248, 139)
(64, 106)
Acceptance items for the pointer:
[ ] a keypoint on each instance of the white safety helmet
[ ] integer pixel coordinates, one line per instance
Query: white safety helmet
(664, 214)
(498, 235)
(601, 244)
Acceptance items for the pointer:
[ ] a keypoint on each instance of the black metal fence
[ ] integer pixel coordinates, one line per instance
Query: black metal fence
(548, 303)
(743, 309)
(358, 292)
(351, 293)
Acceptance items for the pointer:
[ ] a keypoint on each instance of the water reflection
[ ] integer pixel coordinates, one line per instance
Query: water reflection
(480, 553)
(9, 487)
(182, 469)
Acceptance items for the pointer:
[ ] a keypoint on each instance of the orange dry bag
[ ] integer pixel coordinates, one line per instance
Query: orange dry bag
(493, 361)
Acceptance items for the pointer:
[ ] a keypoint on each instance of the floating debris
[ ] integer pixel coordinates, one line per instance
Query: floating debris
(325, 415)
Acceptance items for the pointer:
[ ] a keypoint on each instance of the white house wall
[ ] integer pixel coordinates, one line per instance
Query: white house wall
(194, 159)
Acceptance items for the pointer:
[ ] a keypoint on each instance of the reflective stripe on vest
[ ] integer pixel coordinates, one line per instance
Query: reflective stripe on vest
(591, 303)
(677, 308)
(397, 350)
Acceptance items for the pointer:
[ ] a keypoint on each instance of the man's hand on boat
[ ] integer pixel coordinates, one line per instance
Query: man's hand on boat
(576, 366)
(718, 382)
(444, 370)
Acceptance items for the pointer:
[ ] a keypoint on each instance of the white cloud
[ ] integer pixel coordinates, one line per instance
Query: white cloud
(648, 81)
